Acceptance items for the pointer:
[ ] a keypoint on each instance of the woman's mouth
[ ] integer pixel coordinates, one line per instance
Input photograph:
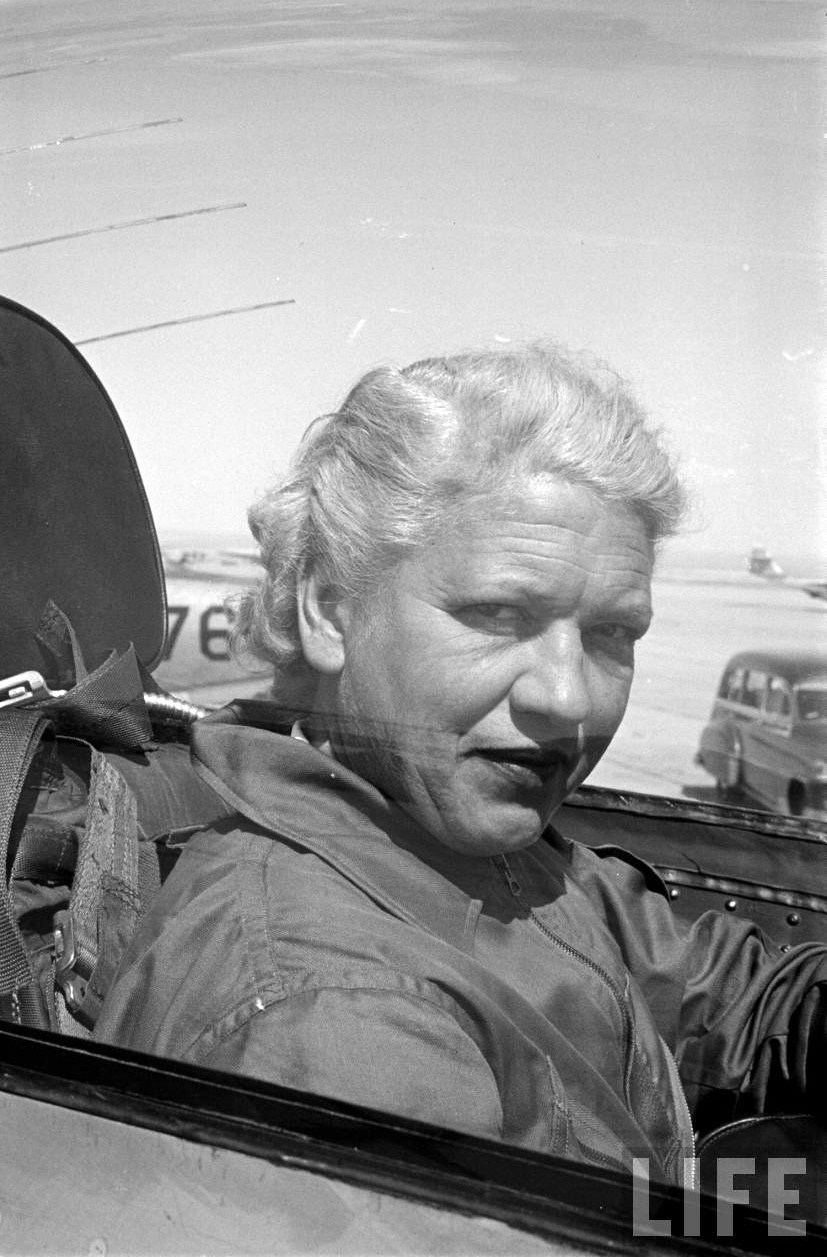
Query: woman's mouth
(528, 767)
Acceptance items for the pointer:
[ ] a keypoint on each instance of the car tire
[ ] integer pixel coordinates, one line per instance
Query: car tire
(797, 798)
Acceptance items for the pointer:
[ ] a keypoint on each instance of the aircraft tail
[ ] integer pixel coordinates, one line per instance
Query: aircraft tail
(761, 563)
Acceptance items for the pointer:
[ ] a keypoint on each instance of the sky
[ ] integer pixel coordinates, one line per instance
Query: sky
(640, 178)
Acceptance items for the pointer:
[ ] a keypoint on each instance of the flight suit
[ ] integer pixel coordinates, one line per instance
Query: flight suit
(323, 940)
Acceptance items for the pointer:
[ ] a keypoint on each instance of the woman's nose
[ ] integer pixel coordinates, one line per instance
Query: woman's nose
(551, 685)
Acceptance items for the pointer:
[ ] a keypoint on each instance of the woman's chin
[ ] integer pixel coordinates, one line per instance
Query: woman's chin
(486, 829)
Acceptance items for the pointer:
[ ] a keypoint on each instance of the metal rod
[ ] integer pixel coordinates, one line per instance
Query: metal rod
(192, 318)
(132, 222)
(88, 135)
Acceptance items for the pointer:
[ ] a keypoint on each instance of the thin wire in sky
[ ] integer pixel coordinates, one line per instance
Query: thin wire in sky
(89, 135)
(192, 318)
(131, 222)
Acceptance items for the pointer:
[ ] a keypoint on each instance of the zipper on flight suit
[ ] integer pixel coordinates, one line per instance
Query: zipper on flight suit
(566, 947)
(683, 1117)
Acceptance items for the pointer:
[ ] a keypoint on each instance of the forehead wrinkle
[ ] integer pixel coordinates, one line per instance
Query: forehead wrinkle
(531, 515)
(535, 555)
(552, 587)
(555, 588)
(550, 540)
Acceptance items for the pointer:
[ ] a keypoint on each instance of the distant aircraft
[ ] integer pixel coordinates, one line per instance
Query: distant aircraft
(761, 563)
(197, 663)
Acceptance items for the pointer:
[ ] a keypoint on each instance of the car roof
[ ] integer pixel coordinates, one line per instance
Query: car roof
(794, 665)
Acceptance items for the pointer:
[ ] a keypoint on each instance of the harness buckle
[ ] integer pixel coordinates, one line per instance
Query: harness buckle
(72, 984)
(25, 687)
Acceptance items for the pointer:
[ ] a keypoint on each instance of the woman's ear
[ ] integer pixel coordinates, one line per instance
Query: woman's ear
(323, 619)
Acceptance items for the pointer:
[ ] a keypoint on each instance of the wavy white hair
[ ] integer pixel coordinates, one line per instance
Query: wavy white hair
(409, 447)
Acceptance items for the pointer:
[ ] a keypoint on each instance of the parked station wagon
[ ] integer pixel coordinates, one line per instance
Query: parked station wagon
(767, 733)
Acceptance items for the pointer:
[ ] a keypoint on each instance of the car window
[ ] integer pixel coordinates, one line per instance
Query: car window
(731, 685)
(754, 687)
(778, 704)
(811, 701)
(735, 689)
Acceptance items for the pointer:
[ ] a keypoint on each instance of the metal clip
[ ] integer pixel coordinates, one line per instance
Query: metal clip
(67, 978)
(25, 687)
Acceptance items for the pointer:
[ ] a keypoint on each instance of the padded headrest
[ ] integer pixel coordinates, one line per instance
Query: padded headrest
(75, 524)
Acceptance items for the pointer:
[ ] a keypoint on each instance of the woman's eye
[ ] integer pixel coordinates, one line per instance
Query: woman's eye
(620, 634)
(493, 616)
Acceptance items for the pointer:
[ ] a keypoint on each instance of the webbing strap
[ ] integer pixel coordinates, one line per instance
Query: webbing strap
(104, 903)
(56, 634)
(106, 705)
(20, 734)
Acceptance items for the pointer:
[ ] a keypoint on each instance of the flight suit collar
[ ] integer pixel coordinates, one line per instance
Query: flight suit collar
(287, 787)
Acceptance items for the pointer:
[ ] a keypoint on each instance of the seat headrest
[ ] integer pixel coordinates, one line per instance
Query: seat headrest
(75, 524)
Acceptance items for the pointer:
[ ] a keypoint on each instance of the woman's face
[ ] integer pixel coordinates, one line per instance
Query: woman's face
(489, 674)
